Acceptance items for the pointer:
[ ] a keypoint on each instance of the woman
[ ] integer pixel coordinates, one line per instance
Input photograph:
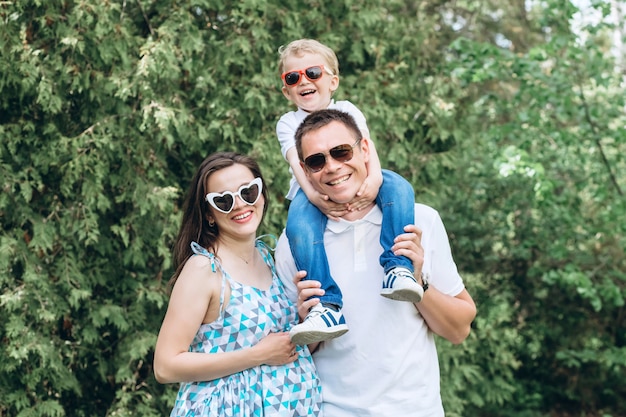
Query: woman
(225, 333)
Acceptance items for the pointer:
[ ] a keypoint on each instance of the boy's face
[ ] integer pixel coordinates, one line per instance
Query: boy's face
(310, 95)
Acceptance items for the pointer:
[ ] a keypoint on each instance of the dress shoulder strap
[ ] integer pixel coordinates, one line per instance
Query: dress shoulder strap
(200, 250)
(266, 250)
(215, 264)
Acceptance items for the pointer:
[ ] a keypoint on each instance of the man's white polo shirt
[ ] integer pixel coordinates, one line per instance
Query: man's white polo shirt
(386, 365)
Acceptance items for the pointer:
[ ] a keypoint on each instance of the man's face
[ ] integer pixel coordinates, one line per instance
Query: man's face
(338, 180)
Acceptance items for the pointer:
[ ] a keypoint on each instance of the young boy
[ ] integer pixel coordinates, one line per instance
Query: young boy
(310, 75)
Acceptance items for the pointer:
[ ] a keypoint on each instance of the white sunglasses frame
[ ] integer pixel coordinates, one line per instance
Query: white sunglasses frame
(210, 196)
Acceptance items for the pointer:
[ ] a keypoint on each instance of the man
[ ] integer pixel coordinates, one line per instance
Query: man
(386, 365)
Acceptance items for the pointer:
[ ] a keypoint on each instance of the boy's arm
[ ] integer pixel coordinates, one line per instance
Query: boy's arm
(321, 201)
(369, 190)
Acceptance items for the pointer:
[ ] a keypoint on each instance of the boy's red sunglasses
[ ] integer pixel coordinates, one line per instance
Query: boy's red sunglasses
(313, 73)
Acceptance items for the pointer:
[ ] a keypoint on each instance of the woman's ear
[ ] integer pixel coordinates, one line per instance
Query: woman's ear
(210, 219)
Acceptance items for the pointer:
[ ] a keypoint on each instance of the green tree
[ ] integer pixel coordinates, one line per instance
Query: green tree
(541, 222)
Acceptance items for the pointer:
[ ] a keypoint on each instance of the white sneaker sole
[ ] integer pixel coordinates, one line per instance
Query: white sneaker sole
(402, 294)
(306, 337)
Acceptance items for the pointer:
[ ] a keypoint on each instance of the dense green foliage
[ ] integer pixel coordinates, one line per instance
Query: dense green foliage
(506, 121)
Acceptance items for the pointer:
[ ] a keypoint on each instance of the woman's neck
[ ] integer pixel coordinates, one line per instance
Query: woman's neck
(244, 250)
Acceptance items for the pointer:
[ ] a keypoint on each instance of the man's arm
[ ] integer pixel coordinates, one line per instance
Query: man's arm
(447, 316)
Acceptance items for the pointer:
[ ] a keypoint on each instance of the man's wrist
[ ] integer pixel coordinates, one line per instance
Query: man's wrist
(424, 281)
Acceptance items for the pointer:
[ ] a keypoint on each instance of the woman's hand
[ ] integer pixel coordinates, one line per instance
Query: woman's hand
(276, 349)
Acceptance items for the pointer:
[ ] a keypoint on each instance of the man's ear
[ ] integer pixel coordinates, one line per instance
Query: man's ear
(306, 170)
(365, 148)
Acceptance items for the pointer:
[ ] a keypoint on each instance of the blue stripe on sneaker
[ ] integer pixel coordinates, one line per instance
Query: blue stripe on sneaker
(331, 320)
(391, 278)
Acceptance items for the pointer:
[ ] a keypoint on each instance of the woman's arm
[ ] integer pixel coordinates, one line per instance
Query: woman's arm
(194, 298)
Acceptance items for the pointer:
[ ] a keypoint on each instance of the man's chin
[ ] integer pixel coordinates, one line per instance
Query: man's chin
(340, 198)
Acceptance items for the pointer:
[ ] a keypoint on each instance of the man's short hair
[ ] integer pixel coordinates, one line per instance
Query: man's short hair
(318, 119)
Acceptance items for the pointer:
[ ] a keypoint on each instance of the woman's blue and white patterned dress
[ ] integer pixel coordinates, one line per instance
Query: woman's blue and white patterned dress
(251, 314)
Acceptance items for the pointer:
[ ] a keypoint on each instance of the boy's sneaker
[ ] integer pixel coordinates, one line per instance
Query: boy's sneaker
(322, 323)
(400, 284)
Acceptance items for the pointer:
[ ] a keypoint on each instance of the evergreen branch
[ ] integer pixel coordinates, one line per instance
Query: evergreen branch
(595, 130)
(145, 17)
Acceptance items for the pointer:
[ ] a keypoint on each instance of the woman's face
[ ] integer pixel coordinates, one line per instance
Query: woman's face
(243, 219)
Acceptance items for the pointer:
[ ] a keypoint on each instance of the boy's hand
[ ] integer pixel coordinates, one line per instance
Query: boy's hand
(364, 197)
(329, 207)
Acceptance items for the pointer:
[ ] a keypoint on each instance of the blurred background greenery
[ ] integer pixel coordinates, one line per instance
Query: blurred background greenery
(507, 117)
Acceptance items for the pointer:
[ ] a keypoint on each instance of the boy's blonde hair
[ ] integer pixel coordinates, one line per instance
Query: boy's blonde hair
(310, 46)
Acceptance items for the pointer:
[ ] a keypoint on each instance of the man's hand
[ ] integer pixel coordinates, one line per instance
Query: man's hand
(409, 244)
(306, 290)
